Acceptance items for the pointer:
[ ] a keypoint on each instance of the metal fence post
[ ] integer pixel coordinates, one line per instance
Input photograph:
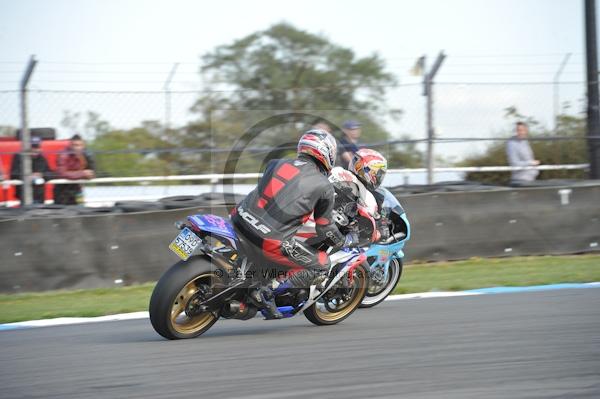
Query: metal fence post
(27, 196)
(430, 129)
(167, 90)
(556, 88)
(593, 107)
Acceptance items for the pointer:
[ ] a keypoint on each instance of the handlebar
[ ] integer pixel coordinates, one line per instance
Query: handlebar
(396, 237)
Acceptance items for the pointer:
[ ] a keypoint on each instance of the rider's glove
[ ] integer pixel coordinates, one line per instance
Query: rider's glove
(383, 228)
(351, 240)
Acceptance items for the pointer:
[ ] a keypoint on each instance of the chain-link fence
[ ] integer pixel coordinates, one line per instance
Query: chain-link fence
(461, 110)
(141, 133)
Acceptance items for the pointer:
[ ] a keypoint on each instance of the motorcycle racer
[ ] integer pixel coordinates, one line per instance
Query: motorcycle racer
(368, 168)
(285, 197)
(356, 193)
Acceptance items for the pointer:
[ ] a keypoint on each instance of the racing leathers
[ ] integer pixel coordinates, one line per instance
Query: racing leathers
(286, 196)
(352, 199)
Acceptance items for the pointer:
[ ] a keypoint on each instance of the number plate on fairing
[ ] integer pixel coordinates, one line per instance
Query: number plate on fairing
(185, 243)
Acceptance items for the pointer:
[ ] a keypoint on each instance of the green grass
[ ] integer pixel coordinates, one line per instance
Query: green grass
(447, 276)
(519, 271)
(80, 303)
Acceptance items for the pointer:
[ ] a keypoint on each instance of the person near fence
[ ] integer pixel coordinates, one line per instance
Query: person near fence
(73, 164)
(322, 124)
(348, 143)
(519, 153)
(40, 172)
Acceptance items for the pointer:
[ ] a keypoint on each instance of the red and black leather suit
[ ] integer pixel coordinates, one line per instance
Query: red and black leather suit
(288, 193)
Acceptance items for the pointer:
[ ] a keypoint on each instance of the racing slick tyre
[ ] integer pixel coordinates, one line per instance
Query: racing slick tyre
(340, 301)
(186, 283)
(380, 286)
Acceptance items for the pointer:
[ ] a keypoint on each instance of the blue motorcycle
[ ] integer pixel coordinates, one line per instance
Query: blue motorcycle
(385, 258)
(219, 268)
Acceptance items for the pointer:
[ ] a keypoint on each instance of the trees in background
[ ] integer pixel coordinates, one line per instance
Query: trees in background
(279, 70)
(118, 153)
(287, 70)
(284, 68)
(7, 131)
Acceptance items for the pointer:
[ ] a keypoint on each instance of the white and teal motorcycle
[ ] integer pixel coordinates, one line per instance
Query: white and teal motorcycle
(385, 257)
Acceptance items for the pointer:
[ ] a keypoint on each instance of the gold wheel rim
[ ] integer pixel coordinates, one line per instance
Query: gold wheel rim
(348, 307)
(181, 322)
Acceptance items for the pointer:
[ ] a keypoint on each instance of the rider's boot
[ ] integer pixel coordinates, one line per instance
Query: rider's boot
(263, 298)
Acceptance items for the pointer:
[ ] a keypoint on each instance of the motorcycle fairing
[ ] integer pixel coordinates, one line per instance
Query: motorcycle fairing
(215, 225)
(384, 253)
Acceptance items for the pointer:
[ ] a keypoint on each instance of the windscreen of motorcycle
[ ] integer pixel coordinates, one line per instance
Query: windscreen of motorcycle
(390, 201)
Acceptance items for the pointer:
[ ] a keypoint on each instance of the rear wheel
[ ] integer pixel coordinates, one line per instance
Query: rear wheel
(178, 290)
(381, 286)
(340, 301)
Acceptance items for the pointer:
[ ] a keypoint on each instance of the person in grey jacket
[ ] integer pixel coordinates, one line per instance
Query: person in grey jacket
(519, 153)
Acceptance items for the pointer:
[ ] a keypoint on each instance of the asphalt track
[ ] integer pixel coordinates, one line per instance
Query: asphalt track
(520, 345)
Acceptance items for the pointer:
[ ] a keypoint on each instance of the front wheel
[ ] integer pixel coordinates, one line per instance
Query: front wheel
(183, 285)
(381, 286)
(340, 301)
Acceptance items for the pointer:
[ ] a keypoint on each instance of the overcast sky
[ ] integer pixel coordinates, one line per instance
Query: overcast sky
(170, 31)
(132, 44)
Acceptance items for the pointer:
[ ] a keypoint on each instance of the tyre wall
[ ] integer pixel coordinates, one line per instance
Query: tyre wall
(38, 254)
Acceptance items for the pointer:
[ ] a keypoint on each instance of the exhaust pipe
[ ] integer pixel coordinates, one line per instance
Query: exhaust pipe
(239, 310)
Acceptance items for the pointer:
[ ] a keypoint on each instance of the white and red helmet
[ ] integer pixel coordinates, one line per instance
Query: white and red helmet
(369, 166)
(320, 145)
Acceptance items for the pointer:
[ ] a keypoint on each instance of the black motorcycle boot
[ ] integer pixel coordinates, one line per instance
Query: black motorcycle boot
(263, 299)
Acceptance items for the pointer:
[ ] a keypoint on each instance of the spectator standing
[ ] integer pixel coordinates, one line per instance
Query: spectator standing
(348, 143)
(321, 124)
(519, 153)
(39, 168)
(73, 164)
